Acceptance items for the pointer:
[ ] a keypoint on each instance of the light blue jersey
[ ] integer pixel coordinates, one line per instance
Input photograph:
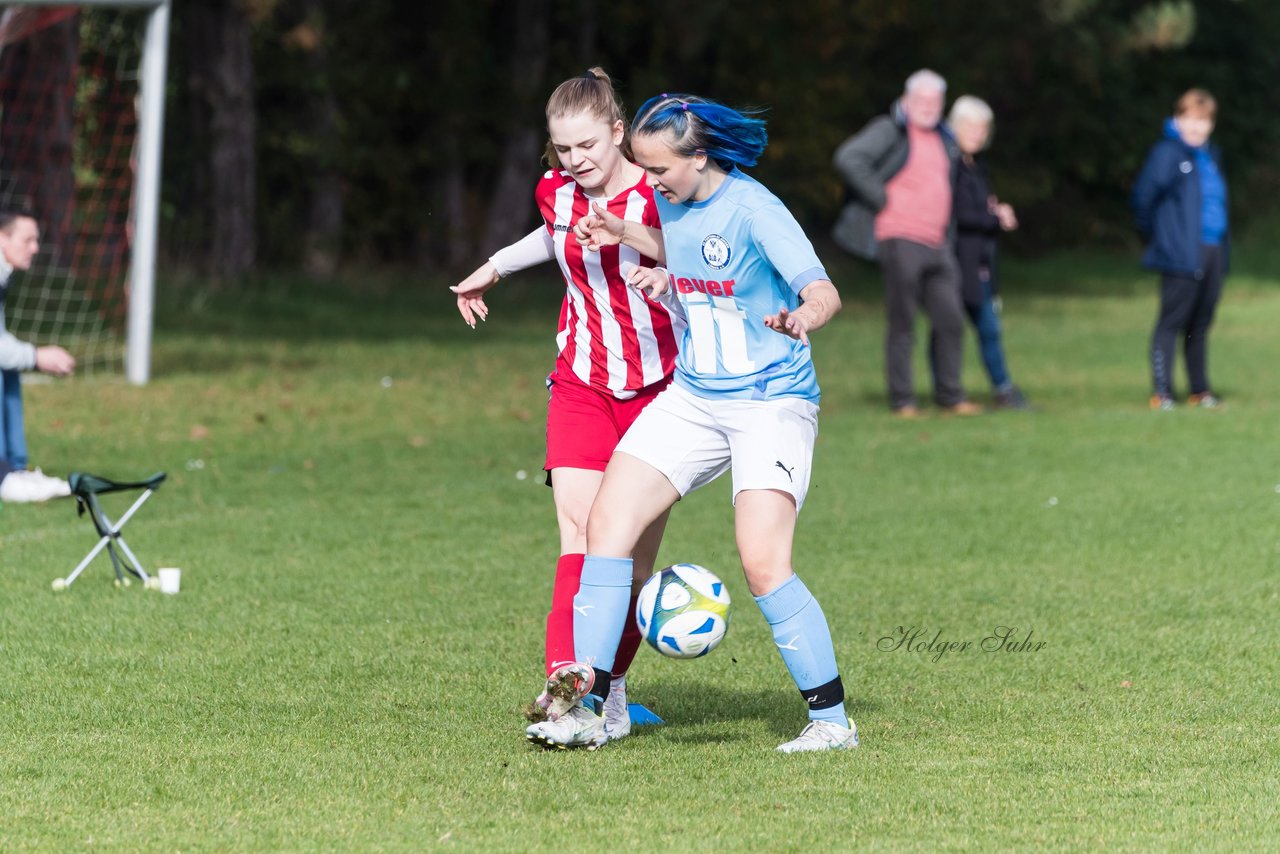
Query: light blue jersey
(734, 258)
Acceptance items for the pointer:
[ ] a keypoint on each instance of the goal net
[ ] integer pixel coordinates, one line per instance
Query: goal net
(69, 104)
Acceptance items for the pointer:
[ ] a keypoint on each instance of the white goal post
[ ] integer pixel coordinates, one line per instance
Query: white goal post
(146, 184)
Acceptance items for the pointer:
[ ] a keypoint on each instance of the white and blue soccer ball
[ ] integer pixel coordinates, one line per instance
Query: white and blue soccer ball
(683, 611)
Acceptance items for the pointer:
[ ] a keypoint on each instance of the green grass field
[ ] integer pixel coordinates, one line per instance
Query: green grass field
(365, 578)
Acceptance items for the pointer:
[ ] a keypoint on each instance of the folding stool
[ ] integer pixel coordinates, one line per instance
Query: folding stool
(86, 488)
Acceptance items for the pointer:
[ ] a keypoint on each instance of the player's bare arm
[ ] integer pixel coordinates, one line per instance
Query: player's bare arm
(820, 302)
(602, 228)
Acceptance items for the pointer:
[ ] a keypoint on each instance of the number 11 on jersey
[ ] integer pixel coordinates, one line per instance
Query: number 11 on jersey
(717, 325)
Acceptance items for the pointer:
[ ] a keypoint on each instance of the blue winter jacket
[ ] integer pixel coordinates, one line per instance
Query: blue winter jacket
(1166, 207)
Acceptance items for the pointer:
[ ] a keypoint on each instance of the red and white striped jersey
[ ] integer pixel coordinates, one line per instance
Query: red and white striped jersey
(611, 336)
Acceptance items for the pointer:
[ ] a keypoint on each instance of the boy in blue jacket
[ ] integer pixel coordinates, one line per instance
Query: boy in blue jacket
(1180, 206)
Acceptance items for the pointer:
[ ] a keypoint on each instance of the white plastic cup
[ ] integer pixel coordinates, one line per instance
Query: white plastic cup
(170, 580)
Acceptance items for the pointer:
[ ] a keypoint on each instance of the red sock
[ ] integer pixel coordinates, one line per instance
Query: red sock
(560, 618)
(630, 642)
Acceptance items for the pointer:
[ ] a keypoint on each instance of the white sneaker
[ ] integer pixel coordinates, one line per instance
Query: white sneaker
(57, 484)
(617, 714)
(566, 685)
(25, 487)
(822, 735)
(578, 727)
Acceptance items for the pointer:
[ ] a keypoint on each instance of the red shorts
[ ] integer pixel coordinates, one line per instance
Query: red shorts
(585, 424)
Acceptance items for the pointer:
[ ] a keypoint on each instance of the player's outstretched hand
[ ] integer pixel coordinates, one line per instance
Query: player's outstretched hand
(470, 293)
(598, 228)
(655, 280)
(789, 324)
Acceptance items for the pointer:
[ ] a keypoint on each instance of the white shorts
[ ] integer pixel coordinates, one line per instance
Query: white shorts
(692, 440)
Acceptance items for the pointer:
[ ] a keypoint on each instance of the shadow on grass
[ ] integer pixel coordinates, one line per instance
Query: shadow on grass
(294, 307)
(692, 711)
(1077, 273)
(1080, 272)
(174, 361)
(263, 320)
(387, 306)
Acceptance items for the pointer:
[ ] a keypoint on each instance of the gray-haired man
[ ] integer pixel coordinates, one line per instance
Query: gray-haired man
(900, 170)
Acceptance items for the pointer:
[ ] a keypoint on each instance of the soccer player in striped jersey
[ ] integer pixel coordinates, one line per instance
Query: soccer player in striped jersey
(744, 397)
(616, 347)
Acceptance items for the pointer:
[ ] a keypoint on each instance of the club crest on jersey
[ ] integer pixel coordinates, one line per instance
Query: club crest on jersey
(716, 251)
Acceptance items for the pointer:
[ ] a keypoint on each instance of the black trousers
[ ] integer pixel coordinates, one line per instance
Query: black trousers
(1187, 305)
(917, 276)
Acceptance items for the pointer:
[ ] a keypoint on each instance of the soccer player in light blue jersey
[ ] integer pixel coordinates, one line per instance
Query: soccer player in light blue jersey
(744, 398)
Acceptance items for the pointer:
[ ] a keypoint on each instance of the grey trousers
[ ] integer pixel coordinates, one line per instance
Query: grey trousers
(917, 276)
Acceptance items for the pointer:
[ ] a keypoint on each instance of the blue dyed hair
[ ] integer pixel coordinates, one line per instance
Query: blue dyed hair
(729, 137)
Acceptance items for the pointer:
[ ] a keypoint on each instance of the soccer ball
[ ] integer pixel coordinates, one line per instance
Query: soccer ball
(683, 611)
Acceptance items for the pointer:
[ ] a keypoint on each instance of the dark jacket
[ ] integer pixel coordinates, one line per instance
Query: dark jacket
(1166, 208)
(976, 229)
(866, 161)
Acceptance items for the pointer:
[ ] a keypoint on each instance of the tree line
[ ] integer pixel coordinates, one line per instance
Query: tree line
(322, 134)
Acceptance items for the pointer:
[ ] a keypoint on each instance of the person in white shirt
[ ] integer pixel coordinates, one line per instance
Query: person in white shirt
(19, 243)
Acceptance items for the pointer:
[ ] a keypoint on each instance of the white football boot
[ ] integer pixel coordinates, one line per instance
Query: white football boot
(565, 686)
(578, 727)
(617, 714)
(822, 735)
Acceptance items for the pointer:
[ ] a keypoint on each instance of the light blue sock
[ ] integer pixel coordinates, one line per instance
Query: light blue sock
(801, 634)
(600, 609)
